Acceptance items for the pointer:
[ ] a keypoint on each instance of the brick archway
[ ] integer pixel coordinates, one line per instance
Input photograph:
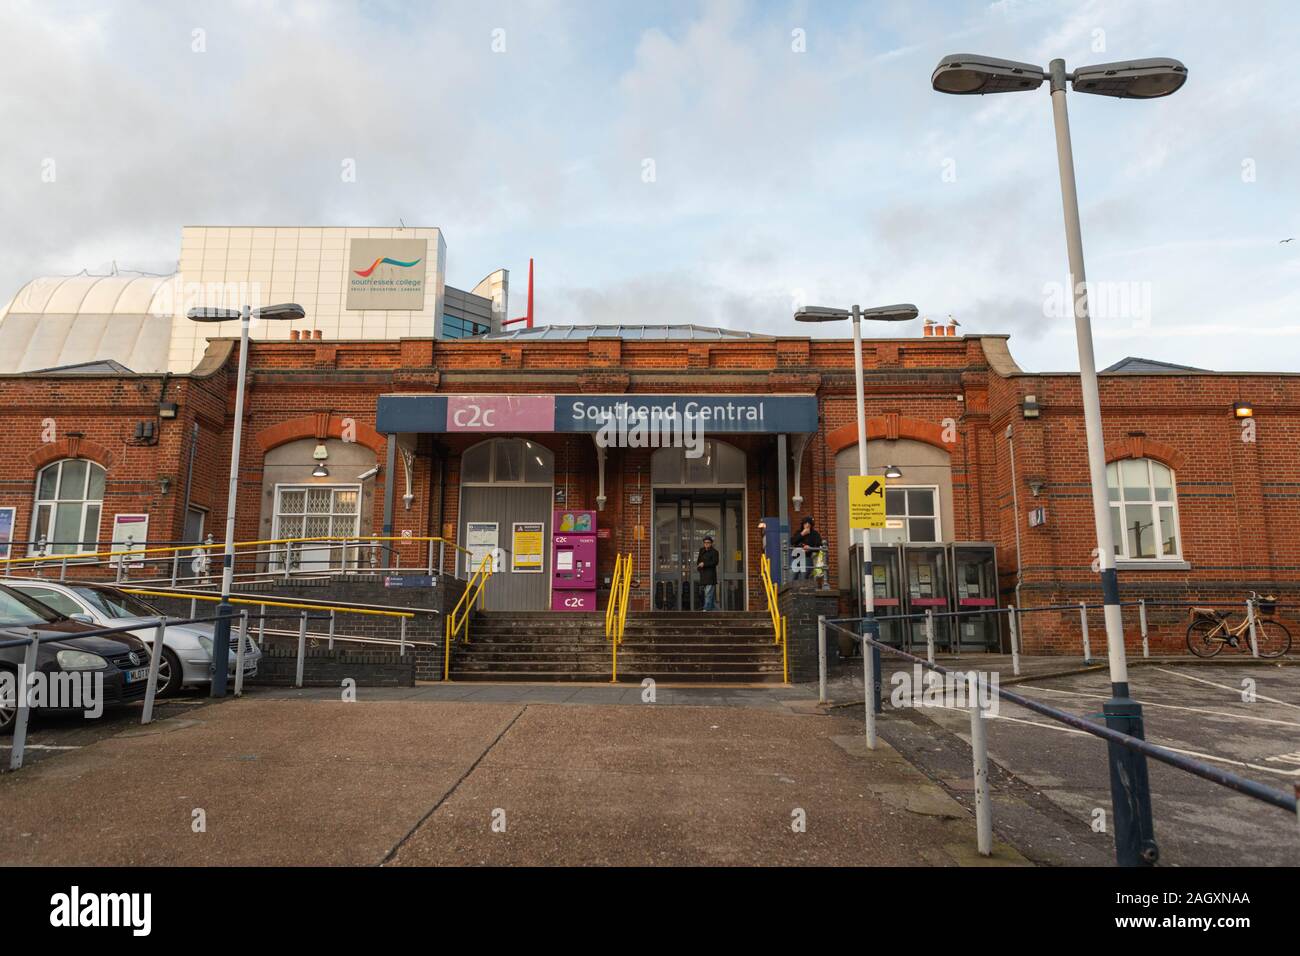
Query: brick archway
(74, 446)
(1139, 446)
(320, 427)
(891, 427)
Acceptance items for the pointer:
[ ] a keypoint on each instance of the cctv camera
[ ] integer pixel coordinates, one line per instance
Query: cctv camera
(368, 473)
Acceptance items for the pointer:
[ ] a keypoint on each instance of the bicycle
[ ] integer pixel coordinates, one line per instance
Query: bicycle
(1211, 629)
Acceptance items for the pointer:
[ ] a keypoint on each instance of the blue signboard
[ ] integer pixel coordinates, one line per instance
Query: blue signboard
(504, 413)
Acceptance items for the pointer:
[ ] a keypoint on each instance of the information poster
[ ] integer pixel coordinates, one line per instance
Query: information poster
(526, 547)
(866, 501)
(6, 530)
(482, 539)
(130, 533)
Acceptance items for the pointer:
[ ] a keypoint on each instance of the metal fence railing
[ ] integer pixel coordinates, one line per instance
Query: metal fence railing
(178, 563)
(871, 650)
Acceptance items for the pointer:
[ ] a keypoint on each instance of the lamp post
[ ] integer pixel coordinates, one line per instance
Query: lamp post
(887, 313)
(966, 74)
(221, 634)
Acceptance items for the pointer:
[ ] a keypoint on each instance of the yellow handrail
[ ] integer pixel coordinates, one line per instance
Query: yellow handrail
(611, 609)
(260, 603)
(780, 627)
(473, 592)
(616, 610)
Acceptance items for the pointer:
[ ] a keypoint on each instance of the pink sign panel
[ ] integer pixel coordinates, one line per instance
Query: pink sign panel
(500, 413)
(573, 600)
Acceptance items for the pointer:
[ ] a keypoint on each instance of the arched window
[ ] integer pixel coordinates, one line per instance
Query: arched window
(507, 461)
(1143, 509)
(69, 498)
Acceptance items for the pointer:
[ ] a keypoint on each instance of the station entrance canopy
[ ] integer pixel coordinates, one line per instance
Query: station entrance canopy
(735, 414)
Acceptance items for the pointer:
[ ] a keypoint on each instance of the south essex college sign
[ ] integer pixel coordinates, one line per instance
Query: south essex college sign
(752, 414)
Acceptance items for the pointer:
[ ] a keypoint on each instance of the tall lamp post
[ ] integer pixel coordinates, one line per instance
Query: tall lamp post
(966, 74)
(221, 634)
(884, 313)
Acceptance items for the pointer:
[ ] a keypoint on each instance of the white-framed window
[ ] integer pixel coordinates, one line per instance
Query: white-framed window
(1143, 509)
(317, 511)
(69, 499)
(911, 515)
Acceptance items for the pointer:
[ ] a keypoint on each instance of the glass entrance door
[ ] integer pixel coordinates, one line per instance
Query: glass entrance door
(682, 520)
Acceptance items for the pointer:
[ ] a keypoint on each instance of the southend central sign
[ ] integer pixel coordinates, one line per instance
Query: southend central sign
(736, 414)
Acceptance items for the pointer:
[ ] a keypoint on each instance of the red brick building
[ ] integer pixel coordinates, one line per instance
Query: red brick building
(1204, 500)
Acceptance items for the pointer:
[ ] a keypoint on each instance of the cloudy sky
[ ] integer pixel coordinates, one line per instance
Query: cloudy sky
(708, 162)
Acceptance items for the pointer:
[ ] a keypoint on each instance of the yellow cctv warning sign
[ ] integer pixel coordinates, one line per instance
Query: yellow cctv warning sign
(866, 501)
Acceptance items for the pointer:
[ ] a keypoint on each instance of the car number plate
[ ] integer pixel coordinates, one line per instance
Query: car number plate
(137, 674)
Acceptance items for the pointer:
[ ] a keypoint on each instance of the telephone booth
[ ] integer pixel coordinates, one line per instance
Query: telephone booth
(926, 588)
(888, 587)
(975, 588)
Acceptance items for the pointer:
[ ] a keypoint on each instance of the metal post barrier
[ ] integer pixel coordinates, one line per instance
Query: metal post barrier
(23, 702)
(176, 568)
(1142, 625)
(239, 652)
(441, 547)
(155, 659)
(821, 658)
(979, 747)
(63, 570)
(261, 627)
(1250, 623)
(331, 641)
(401, 636)
(302, 647)
(868, 692)
(1013, 619)
(430, 549)
(194, 607)
(929, 634)
(1083, 622)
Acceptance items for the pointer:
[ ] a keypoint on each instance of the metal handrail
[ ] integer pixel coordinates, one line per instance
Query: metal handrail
(616, 610)
(611, 609)
(780, 626)
(1224, 778)
(452, 628)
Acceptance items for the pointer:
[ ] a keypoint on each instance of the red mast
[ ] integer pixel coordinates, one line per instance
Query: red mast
(526, 319)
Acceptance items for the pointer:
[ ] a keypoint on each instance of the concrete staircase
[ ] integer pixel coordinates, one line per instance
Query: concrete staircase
(721, 647)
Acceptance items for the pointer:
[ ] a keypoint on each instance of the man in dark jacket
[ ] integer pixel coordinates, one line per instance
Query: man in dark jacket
(805, 549)
(707, 564)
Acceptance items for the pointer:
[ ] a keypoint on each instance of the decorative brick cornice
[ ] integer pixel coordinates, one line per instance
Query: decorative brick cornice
(320, 427)
(1139, 446)
(613, 381)
(74, 446)
(890, 427)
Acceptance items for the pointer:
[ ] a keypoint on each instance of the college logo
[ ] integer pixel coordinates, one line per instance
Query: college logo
(384, 260)
(387, 274)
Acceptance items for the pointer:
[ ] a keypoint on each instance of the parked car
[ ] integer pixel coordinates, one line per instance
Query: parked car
(187, 648)
(123, 658)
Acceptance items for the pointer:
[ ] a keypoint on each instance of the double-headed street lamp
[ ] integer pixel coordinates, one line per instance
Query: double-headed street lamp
(221, 635)
(966, 74)
(884, 313)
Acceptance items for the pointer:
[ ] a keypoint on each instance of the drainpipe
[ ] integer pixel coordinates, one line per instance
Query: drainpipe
(1015, 505)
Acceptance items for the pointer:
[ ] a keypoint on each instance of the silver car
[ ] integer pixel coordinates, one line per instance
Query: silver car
(187, 648)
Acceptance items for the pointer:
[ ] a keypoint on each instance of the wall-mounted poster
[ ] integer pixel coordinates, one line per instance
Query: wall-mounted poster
(130, 532)
(481, 539)
(6, 530)
(526, 547)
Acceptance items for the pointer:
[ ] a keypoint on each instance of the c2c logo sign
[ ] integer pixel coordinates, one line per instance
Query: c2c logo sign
(473, 416)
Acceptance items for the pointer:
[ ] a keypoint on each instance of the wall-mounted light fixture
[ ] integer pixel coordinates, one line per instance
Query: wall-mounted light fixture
(166, 409)
(165, 484)
(1036, 486)
(1029, 406)
(893, 471)
(320, 454)
(320, 471)
(1243, 410)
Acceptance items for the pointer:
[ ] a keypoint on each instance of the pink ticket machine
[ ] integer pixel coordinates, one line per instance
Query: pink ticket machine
(573, 561)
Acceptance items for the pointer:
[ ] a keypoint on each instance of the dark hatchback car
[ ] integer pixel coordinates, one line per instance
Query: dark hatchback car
(121, 658)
